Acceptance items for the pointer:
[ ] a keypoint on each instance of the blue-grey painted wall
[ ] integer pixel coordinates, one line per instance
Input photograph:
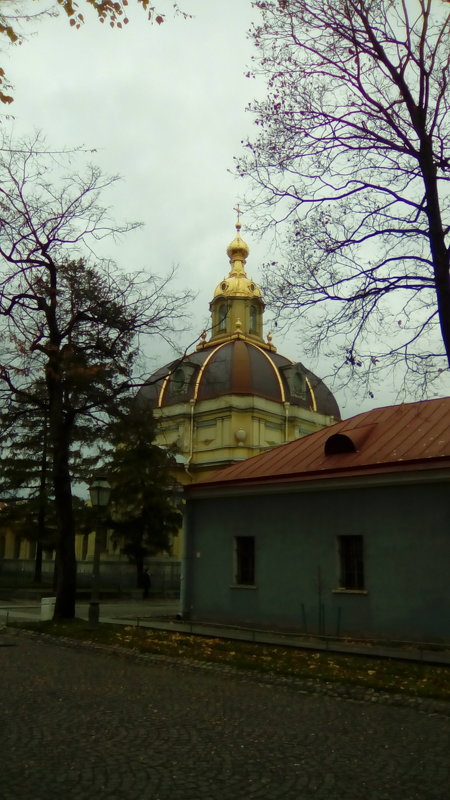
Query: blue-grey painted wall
(406, 532)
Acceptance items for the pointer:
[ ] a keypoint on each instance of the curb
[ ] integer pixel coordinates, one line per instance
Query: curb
(313, 686)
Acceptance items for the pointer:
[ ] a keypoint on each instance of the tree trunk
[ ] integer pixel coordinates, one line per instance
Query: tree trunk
(55, 573)
(65, 533)
(42, 515)
(61, 422)
(60, 426)
(439, 252)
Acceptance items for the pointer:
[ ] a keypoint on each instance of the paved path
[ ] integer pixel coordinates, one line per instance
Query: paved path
(162, 613)
(109, 609)
(81, 724)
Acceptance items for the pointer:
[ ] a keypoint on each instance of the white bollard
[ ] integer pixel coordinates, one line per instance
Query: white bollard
(47, 608)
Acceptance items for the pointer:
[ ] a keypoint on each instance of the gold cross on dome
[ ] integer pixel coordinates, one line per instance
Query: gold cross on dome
(238, 212)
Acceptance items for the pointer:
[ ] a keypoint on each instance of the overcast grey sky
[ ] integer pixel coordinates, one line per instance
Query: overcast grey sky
(164, 106)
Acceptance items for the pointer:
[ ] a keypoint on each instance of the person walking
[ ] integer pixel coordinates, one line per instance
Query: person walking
(146, 583)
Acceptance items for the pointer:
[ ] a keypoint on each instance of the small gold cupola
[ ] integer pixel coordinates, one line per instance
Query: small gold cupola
(237, 307)
(237, 252)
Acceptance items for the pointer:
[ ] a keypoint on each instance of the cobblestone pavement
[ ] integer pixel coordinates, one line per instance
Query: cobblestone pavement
(78, 724)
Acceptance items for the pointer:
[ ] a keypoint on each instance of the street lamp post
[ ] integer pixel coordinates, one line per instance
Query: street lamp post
(100, 492)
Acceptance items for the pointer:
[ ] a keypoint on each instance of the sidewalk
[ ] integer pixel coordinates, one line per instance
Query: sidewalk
(117, 611)
(161, 614)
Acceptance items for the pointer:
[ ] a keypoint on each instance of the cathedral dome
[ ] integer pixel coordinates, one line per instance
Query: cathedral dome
(238, 367)
(233, 396)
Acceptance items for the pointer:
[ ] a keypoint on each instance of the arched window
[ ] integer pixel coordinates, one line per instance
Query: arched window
(253, 317)
(178, 381)
(299, 384)
(223, 317)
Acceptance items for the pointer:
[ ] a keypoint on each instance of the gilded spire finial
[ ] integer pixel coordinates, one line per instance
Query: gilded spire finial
(237, 250)
(238, 212)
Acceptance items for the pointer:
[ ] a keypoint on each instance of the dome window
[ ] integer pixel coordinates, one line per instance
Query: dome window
(296, 382)
(178, 382)
(253, 318)
(299, 385)
(180, 379)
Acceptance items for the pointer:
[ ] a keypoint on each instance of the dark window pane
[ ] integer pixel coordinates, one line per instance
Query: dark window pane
(245, 559)
(223, 311)
(351, 562)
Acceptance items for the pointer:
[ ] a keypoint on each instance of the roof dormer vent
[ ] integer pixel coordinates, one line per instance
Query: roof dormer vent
(339, 443)
(348, 441)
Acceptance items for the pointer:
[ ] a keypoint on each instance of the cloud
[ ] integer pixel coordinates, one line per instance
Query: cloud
(164, 106)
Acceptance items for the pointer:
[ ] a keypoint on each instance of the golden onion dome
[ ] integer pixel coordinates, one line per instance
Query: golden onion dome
(237, 284)
(238, 250)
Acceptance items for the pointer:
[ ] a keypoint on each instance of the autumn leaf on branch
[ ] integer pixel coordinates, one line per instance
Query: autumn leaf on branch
(13, 22)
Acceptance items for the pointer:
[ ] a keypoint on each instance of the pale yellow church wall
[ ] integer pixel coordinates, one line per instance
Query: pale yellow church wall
(238, 312)
(10, 545)
(232, 427)
(14, 546)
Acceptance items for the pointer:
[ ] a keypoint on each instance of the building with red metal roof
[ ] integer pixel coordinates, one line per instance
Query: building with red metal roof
(390, 439)
(344, 531)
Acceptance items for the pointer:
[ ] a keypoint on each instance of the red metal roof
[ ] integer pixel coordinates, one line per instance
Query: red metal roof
(403, 437)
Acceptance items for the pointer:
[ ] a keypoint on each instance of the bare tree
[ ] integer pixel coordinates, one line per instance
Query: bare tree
(353, 157)
(75, 326)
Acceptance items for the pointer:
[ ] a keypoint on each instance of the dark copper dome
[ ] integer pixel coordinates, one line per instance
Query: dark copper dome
(237, 367)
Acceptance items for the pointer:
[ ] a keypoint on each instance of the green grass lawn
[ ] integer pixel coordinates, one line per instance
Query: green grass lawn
(382, 674)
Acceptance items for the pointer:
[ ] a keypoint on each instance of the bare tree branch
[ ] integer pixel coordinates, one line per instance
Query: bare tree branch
(71, 325)
(352, 160)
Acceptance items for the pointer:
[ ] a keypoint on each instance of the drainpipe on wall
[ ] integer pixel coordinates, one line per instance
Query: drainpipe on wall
(184, 603)
(184, 607)
(191, 439)
(286, 421)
